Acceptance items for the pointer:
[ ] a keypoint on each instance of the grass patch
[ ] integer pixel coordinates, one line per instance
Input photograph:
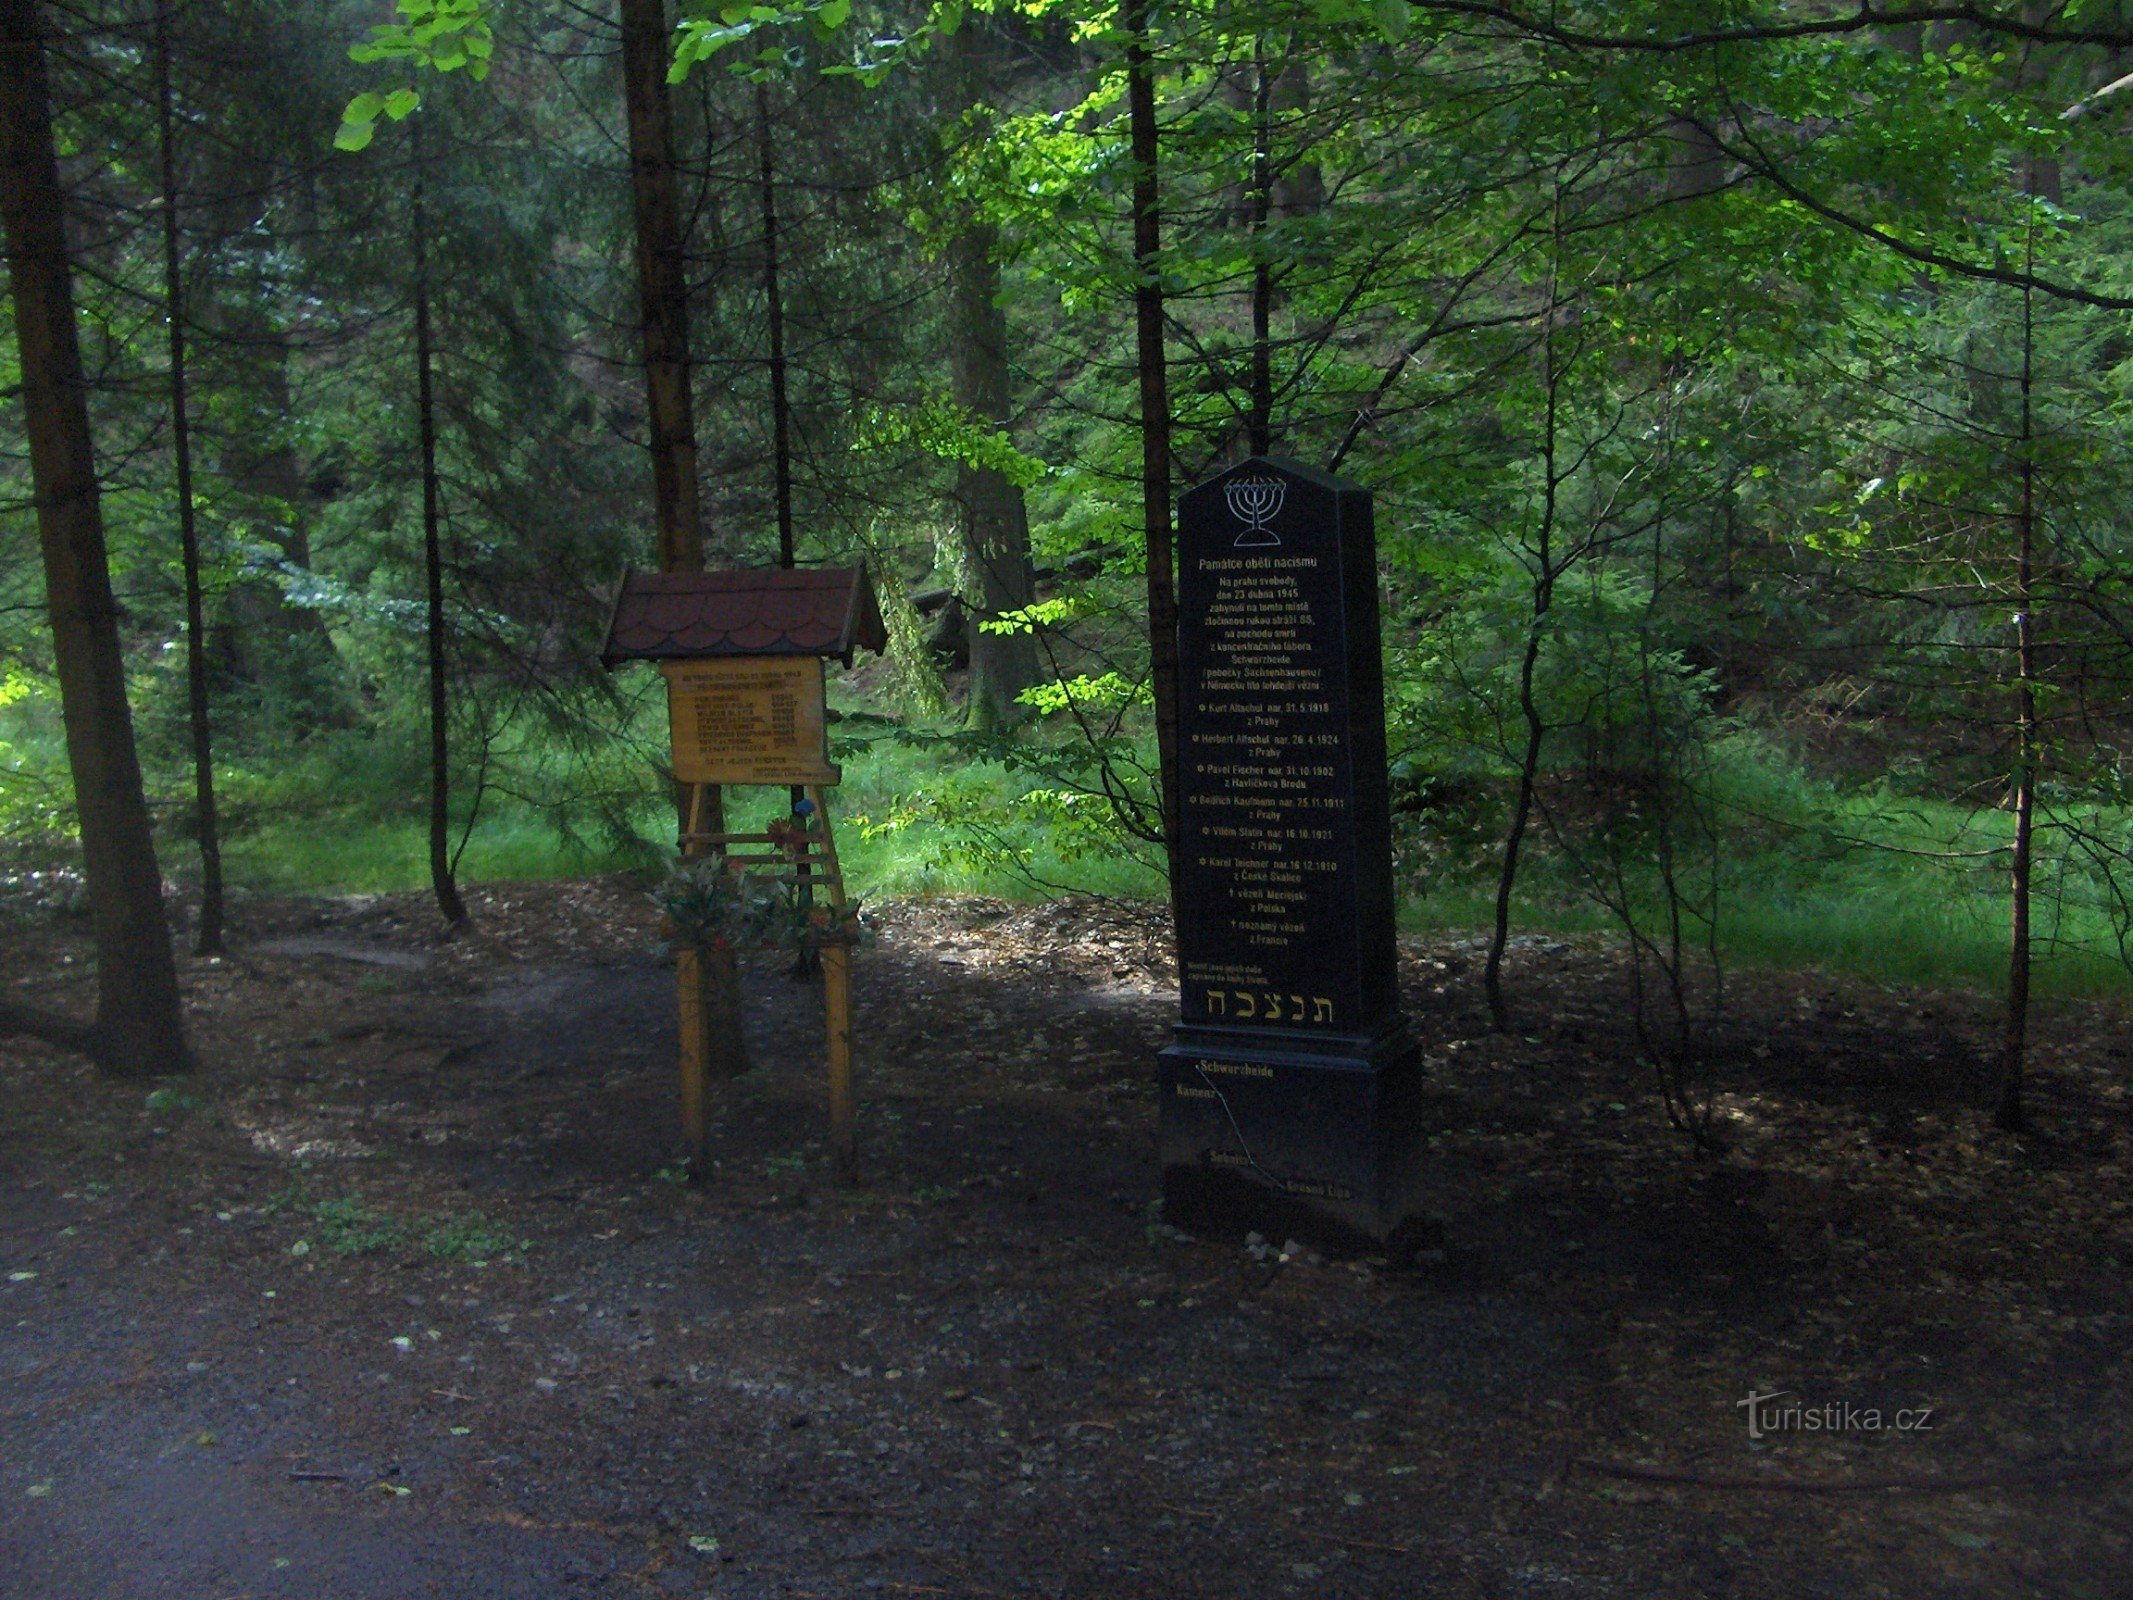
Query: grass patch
(472, 1237)
(348, 1227)
(352, 855)
(915, 821)
(1895, 889)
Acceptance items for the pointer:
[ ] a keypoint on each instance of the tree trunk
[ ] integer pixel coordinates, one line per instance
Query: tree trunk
(1695, 165)
(283, 650)
(1521, 819)
(2038, 174)
(663, 306)
(2015, 1040)
(139, 1029)
(1546, 571)
(1155, 415)
(774, 315)
(663, 294)
(441, 876)
(994, 516)
(1299, 187)
(208, 936)
(991, 512)
(805, 963)
(663, 285)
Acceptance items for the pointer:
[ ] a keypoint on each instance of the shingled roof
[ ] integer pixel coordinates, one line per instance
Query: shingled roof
(760, 611)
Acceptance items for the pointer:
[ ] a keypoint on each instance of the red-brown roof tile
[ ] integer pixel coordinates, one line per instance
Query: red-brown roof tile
(759, 611)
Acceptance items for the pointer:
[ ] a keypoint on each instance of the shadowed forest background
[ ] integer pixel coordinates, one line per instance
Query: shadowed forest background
(1745, 404)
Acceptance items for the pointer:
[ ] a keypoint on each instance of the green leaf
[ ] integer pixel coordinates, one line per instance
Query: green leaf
(355, 135)
(1394, 18)
(400, 102)
(834, 15)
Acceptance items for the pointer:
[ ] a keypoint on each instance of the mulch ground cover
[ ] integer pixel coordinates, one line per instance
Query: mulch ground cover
(405, 1293)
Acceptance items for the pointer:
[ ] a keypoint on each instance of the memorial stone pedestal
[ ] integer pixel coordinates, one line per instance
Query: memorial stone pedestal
(1288, 1096)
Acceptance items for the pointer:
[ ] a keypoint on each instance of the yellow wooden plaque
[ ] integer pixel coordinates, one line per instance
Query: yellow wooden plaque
(749, 719)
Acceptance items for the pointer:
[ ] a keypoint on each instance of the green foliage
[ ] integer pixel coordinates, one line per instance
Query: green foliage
(349, 1227)
(970, 834)
(471, 1237)
(439, 35)
(943, 430)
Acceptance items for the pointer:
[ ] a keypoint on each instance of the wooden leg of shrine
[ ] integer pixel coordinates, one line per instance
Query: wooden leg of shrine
(837, 1016)
(693, 983)
(695, 1055)
(837, 1002)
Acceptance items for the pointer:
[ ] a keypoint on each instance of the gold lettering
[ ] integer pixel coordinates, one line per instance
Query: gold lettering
(1234, 1069)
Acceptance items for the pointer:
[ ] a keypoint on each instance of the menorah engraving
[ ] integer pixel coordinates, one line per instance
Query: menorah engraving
(1255, 502)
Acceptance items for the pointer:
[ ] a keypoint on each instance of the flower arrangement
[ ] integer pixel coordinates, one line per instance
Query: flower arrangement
(711, 905)
(707, 905)
(818, 925)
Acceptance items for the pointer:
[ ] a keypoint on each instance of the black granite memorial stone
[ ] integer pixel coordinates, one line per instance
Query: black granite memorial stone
(1288, 1095)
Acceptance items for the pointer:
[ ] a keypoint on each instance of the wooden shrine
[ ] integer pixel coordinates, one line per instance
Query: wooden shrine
(743, 653)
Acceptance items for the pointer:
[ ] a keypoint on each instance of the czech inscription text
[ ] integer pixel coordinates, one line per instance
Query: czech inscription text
(748, 720)
(1267, 791)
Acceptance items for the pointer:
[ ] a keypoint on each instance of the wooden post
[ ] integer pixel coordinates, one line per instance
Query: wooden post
(837, 1018)
(695, 1056)
(695, 1045)
(837, 1004)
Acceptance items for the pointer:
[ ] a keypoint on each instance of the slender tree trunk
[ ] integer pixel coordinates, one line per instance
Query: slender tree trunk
(663, 285)
(208, 937)
(807, 962)
(1545, 574)
(1259, 422)
(1521, 819)
(1155, 413)
(441, 876)
(139, 1027)
(2014, 1048)
(2040, 180)
(774, 306)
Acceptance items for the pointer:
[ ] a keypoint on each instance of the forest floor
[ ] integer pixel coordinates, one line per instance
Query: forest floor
(403, 1295)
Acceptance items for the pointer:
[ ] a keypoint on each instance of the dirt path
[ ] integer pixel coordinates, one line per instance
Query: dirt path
(400, 1296)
